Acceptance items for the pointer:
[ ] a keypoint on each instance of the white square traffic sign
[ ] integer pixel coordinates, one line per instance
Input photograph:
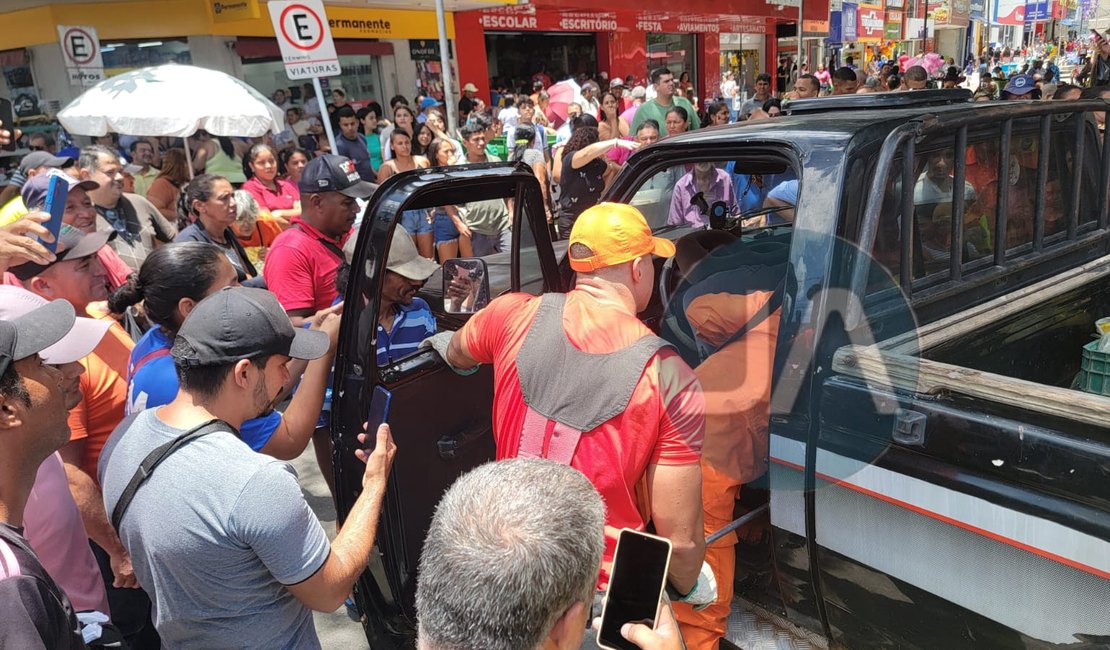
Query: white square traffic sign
(81, 52)
(302, 31)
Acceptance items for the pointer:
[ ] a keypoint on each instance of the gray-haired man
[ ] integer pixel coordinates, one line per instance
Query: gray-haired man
(511, 562)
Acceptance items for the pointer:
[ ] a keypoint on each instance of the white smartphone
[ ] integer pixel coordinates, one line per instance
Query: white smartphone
(636, 585)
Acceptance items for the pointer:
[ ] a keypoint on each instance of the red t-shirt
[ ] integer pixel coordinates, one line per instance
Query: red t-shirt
(300, 270)
(664, 423)
(283, 198)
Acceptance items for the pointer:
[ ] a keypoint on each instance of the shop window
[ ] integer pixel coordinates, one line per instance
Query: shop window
(121, 56)
(26, 104)
(672, 51)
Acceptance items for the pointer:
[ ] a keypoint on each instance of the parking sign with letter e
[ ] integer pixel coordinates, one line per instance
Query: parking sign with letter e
(302, 31)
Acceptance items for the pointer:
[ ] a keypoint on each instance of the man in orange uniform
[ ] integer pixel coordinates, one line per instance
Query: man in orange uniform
(579, 379)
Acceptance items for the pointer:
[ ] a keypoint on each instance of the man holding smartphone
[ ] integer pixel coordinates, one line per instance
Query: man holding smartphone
(579, 379)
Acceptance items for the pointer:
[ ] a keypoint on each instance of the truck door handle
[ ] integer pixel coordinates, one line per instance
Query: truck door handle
(909, 428)
(450, 446)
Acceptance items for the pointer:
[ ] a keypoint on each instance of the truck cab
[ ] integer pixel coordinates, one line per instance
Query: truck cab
(881, 514)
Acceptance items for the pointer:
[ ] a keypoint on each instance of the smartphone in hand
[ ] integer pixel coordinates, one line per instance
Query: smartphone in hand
(7, 122)
(56, 194)
(636, 585)
(378, 415)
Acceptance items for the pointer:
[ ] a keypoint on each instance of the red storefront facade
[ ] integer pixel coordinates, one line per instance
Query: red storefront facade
(621, 32)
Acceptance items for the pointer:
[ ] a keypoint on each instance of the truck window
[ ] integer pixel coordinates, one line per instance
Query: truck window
(934, 198)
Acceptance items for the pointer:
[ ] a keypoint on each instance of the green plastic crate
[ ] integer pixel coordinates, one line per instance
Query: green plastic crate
(496, 147)
(1094, 370)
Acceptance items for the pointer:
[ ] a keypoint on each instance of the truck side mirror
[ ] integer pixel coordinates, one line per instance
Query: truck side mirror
(465, 285)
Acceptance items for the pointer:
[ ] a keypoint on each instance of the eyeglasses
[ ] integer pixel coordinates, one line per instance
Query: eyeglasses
(36, 147)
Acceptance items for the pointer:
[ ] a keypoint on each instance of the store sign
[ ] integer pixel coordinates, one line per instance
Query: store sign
(81, 51)
(895, 4)
(746, 25)
(849, 25)
(1009, 12)
(951, 12)
(304, 36)
(426, 50)
(784, 3)
(892, 28)
(228, 11)
(655, 22)
(914, 29)
(815, 28)
(977, 10)
(1035, 11)
(871, 23)
(525, 17)
(835, 6)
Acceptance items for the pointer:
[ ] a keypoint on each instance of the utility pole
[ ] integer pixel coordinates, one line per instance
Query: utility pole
(801, 34)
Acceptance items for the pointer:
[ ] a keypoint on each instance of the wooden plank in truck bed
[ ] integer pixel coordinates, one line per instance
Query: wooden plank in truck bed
(897, 364)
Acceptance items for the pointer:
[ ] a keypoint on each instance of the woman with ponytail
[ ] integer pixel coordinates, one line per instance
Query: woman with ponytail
(524, 151)
(170, 283)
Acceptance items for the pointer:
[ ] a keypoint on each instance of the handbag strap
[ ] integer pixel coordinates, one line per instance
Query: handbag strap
(155, 458)
(330, 245)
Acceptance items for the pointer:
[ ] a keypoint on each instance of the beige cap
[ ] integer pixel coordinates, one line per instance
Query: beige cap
(470, 88)
(405, 260)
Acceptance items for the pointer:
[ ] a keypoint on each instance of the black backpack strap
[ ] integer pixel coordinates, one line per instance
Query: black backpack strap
(154, 458)
(330, 245)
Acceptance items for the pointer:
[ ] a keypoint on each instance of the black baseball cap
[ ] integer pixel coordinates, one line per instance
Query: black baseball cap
(331, 173)
(237, 323)
(34, 332)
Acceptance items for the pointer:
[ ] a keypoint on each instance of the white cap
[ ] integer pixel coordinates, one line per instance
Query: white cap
(77, 344)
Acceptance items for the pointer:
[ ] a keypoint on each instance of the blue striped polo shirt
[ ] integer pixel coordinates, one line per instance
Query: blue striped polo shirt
(413, 324)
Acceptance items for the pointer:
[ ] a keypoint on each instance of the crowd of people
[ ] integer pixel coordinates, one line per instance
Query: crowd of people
(197, 298)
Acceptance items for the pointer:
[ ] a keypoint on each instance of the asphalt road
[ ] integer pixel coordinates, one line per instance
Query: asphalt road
(336, 629)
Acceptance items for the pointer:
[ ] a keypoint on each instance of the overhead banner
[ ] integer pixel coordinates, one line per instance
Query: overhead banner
(1009, 12)
(871, 23)
(849, 15)
(836, 34)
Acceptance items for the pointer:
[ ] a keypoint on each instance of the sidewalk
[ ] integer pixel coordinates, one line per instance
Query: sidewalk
(336, 629)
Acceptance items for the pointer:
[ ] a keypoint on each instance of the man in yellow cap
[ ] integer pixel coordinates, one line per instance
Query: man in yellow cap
(580, 380)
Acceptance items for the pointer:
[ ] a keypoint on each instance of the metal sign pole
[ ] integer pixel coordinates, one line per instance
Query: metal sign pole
(801, 37)
(445, 63)
(324, 117)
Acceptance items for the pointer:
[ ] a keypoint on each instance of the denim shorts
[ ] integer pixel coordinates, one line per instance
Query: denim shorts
(416, 222)
(444, 227)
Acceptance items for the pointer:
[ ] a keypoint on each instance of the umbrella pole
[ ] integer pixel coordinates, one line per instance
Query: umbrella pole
(188, 157)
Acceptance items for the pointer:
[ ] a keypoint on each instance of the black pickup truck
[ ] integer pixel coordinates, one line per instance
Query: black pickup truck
(932, 478)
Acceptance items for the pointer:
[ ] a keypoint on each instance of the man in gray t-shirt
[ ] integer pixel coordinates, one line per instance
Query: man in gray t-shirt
(220, 535)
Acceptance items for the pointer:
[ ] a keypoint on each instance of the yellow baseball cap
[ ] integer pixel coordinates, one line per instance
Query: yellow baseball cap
(616, 233)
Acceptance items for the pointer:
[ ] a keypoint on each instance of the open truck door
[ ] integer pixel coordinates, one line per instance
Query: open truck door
(442, 422)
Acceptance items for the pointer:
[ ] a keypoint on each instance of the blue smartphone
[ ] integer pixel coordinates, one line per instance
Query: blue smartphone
(56, 194)
(378, 415)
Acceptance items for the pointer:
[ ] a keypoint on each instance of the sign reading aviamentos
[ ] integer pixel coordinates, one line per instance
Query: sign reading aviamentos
(302, 31)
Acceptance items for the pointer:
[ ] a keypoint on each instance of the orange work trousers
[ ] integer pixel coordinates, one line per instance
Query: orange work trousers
(703, 630)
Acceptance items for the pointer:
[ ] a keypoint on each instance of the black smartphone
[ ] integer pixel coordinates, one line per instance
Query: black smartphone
(378, 415)
(57, 191)
(7, 122)
(636, 584)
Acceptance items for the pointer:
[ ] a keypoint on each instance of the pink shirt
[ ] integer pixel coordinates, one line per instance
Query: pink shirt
(53, 526)
(282, 198)
(300, 270)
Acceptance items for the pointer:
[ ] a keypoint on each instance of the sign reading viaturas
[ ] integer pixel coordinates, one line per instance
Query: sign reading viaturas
(303, 34)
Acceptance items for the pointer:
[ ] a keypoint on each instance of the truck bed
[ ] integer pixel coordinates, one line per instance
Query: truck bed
(1021, 350)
